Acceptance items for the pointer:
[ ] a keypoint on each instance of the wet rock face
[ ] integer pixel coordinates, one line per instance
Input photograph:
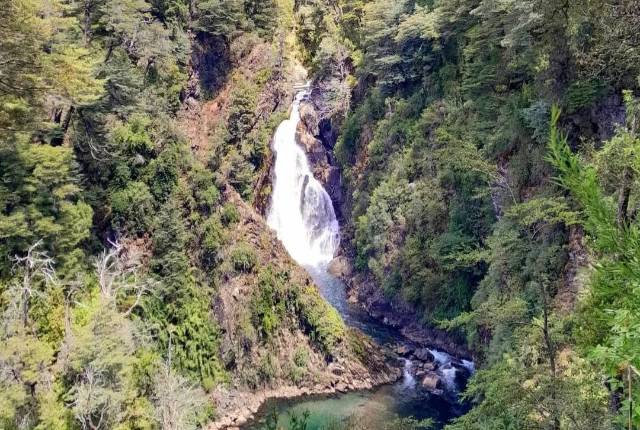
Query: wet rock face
(597, 122)
(341, 267)
(310, 118)
(312, 131)
(423, 354)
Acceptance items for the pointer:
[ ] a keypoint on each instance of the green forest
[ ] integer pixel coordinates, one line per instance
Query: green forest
(490, 160)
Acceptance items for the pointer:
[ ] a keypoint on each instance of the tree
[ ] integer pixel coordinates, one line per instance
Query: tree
(263, 14)
(179, 404)
(219, 18)
(100, 359)
(382, 59)
(21, 83)
(610, 309)
(43, 202)
(26, 371)
(606, 41)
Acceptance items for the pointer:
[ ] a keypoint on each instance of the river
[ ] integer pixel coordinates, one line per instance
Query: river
(304, 219)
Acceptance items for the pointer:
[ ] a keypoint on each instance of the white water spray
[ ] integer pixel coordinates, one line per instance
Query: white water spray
(408, 381)
(470, 366)
(440, 357)
(301, 211)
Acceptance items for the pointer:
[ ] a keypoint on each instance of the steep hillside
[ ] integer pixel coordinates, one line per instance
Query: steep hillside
(482, 156)
(279, 338)
(139, 288)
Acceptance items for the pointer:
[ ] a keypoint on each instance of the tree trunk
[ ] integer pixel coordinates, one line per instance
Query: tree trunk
(67, 119)
(86, 22)
(623, 197)
(551, 351)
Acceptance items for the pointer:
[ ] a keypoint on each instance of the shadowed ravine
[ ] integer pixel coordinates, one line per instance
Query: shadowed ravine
(303, 217)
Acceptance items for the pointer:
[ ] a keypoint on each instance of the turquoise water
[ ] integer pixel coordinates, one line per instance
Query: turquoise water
(372, 409)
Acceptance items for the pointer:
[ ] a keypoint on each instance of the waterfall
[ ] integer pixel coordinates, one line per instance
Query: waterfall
(301, 211)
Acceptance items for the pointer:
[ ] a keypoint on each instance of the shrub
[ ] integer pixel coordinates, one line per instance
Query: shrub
(268, 304)
(242, 113)
(211, 242)
(229, 214)
(321, 321)
(208, 383)
(267, 369)
(296, 374)
(584, 94)
(301, 357)
(161, 174)
(132, 208)
(205, 193)
(298, 366)
(134, 136)
(243, 258)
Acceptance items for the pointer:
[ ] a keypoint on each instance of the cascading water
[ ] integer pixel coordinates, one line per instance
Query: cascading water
(301, 211)
(408, 381)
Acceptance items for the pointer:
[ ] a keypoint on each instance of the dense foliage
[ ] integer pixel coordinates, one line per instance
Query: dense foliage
(452, 204)
(490, 157)
(113, 233)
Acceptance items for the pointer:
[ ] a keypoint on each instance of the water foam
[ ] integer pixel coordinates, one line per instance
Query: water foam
(301, 210)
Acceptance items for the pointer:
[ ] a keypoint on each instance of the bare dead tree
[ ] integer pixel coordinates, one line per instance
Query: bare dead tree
(177, 400)
(92, 406)
(35, 266)
(115, 277)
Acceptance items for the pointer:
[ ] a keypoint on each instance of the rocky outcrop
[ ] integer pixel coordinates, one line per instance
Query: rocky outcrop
(341, 267)
(423, 354)
(597, 122)
(208, 95)
(431, 382)
(363, 291)
(320, 153)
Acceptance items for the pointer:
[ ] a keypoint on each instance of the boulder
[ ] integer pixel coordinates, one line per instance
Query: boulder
(336, 369)
(309, 118)
(423, 354)
(341, 267)
(431, 382)
(403, 350)
(341, 387)
(430, 366)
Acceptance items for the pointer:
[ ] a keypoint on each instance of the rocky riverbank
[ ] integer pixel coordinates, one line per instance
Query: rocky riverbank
(362, 291)
(237, 408)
